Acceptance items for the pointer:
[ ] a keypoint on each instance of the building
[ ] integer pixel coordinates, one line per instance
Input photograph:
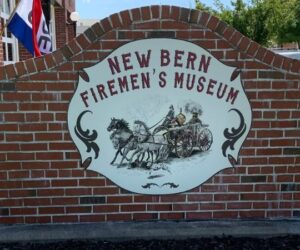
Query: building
(57, 14)
(84, 24)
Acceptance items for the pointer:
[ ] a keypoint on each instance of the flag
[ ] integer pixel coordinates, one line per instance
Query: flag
(28, 24)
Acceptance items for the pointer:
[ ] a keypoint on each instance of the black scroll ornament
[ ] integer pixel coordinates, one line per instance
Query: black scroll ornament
(234, 135)
(87, 138)
(168, 184)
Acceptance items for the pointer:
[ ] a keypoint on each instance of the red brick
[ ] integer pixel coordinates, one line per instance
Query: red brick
(212, 206)
(51, 192)
(91, 182)
(49, 60)
(37, 201)
(22, 193)
(172, 25)
(269, 133)
(51, 210)
(204, 18)
(119, 199)
(213, 23)
(146, 198)
(252, 214)
(136, 14)
(29, 87)
(64, 201)
(175, 13)
(173, 198)
(91, 218)
(266, 187)
(65, 219)
(79, 210)
(225, 215)
(145, 216)
(213, 188)
(10, 71)
(18, 174)
(159, 207)
(207, 44)
(185, 207)
(48, 136)
(239, 205)
(82, 41)
(105, 208)
(38, 219)
(146, 14)
(252, 196)
(20, 68)
(132, 208)
(64, 183)
(155, 11)
(125, 18)
(16, 96)
(115, 21)
(278, 61)
(32, 106)
(165, 12)
(118, 217)
(199, 215)
(171, 216)
(226, 197)
(20, 156)
(11, 220)
(148, 25)
(269, 151)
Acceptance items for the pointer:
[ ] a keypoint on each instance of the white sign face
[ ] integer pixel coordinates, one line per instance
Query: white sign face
(159, 116)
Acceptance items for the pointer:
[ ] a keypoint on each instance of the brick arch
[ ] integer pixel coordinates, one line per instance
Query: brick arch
(145, 15)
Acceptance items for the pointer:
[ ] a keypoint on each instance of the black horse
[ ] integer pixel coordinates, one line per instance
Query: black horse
(122, 138)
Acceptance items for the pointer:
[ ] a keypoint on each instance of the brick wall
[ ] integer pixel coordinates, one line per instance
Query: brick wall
(63, 26)
(41, 180)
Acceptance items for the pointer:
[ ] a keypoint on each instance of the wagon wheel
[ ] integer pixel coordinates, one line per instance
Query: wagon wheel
(205, 140)
(184, 145)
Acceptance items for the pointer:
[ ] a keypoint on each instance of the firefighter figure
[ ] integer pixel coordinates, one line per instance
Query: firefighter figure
(195, 119)
(169, 117)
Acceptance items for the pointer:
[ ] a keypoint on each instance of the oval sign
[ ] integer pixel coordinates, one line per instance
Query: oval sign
(159, 116)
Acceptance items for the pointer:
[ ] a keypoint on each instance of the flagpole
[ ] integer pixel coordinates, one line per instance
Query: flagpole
(9, 19)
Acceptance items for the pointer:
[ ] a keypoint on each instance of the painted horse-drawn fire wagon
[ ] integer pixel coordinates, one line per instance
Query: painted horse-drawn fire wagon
(174, 137)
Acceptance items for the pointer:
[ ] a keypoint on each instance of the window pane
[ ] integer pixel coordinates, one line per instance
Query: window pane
(4, 51)
(6, 6)
(10, 52)
(8, 33)
(9, 6)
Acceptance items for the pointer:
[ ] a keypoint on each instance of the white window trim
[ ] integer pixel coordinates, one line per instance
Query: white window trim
(52, 26)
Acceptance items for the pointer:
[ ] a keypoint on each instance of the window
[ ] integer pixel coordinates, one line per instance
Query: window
(9, 42)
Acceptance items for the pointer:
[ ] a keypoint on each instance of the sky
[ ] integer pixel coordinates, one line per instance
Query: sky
(99, 9)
